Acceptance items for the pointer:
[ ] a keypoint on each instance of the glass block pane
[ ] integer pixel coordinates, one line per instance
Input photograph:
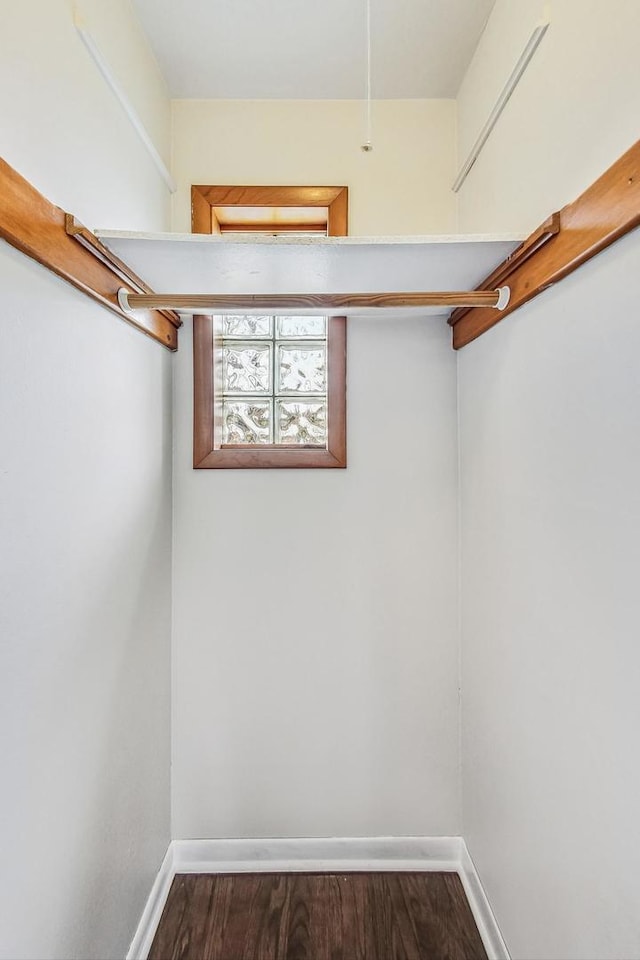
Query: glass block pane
(247, 421)
(246, 367)
(247, 327)
(314, 328)
(302, 421)
(302, 368)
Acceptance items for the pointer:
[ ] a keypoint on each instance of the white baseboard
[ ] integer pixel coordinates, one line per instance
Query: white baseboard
(143, 937)
(325, 855)
(480, 907)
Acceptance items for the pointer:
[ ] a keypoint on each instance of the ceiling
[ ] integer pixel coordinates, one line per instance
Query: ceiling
(312, 49)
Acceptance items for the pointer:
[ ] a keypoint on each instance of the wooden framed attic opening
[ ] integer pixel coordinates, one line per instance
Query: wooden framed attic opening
(294, 367)
(225, 209)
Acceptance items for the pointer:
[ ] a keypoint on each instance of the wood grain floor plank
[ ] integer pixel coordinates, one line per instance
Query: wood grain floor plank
(186, 914)
(385, 941)
(221, 893)
(306, 911)
(272, 930)
(255, 918)
(468, 941)
(356, 916)
(416, 942)
(349, 918)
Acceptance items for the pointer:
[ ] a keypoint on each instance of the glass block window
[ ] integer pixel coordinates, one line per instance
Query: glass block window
(274, 380)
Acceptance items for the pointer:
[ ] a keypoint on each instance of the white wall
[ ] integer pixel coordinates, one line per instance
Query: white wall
(85, 500)
(62, 127)
(402, 186)
(549, 421)
(315, 654)
(573, 114)
(347, 725)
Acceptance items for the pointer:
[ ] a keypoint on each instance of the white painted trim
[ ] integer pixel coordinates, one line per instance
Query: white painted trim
(505, 95)
(124, 101)
(480, 907)
(146, 930)
(330, 854)
(268, 240)
(327, 855)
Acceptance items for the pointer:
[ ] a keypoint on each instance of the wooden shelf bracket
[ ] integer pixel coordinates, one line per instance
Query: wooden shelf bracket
(605, 212)
(55, 239)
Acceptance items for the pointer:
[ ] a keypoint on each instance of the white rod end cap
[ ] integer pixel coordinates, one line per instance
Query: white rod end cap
(504, 295)
(123, 300)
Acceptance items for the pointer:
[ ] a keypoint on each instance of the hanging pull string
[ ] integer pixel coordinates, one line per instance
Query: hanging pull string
(368, 146)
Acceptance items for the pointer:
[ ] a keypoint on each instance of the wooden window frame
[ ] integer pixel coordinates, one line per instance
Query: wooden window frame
(208, 451)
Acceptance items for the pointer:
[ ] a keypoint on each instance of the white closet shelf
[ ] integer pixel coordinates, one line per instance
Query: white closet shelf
(202, 264)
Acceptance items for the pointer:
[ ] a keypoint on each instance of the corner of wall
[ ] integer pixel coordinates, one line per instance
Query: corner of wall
(456, 160)
(459, 596)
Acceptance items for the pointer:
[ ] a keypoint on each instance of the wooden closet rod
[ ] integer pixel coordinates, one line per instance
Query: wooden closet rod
(199, 302)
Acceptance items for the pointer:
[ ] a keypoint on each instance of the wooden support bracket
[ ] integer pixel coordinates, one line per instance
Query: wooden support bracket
(606, 211)
(36, 227)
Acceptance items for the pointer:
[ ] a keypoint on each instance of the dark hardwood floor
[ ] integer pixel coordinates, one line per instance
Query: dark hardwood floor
(354, 916)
